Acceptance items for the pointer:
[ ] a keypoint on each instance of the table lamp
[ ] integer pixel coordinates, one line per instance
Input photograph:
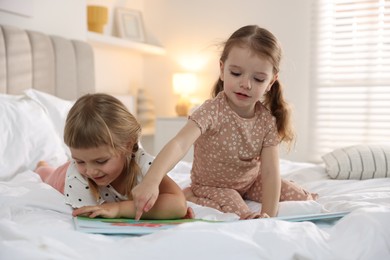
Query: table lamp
(184, 84)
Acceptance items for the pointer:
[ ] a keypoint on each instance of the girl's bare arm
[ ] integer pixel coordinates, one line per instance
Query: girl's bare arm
(146, 193)
(271, 181)
(170, 204)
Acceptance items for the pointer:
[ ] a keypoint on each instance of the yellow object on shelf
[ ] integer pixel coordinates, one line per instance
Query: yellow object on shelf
(97, 17)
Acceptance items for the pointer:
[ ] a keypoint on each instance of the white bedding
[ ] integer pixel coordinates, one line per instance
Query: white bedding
(35, 223)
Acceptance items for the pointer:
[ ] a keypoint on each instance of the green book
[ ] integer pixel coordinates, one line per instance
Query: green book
(125, 226)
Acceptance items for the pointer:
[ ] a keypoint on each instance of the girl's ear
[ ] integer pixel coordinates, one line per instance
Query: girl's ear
(221, 66)
(276, 76)
(130, 146)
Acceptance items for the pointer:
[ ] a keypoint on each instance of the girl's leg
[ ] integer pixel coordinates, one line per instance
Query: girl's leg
(222, 199)
(292, 191)
(52, 176)
(289, 191)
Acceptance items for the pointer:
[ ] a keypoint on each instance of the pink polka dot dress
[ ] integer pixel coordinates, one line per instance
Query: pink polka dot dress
(226, 156)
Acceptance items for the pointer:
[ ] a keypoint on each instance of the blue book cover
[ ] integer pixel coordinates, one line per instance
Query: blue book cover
(315, 217)
(125, 226)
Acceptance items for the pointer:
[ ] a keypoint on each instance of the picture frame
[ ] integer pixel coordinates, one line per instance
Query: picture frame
(130, 24)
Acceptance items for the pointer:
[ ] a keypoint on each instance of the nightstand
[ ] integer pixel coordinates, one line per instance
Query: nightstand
(166, 129)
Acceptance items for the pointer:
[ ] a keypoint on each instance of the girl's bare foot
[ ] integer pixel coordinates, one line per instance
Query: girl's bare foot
(41, 164)
(190, 213)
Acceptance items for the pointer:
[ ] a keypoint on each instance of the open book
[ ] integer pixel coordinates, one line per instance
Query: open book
(127, 226)
(331, 216)
(142, 227)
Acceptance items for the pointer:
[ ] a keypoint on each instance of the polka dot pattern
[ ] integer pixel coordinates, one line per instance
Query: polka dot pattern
(225, 153)
(226, 168)
(79, 194)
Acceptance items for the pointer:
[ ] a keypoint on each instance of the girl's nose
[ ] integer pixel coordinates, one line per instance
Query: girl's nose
(245, 82)
(89, 170)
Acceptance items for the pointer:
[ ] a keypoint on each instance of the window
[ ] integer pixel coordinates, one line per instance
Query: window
(351, 74)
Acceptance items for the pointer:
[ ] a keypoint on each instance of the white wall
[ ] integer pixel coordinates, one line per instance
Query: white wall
(58, 17)
(191, 29)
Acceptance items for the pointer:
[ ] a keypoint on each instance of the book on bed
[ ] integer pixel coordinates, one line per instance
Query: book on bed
(124, 226)
(127, 226)
(330, 216)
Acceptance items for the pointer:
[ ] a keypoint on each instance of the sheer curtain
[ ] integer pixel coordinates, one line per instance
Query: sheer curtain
(350, 74)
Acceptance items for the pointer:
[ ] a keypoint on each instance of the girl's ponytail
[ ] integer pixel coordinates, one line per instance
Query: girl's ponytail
(281, 110)
(218, 87)
(134, 169)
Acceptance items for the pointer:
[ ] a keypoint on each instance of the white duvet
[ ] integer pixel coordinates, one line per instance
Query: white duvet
(36, 224)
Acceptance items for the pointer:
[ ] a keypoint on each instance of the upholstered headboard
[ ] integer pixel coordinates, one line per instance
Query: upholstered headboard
(52, 64)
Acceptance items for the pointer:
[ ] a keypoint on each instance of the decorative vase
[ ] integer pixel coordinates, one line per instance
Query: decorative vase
(97, 17)
(145, 109)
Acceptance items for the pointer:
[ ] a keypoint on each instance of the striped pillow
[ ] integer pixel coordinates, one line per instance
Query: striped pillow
(358, 162)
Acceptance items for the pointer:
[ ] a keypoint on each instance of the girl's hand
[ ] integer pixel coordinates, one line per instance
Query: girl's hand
(144, 196)
(254, 215)
(106, 210)
(264, 215)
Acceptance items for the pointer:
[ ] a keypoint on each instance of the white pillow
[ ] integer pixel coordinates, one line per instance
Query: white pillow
(27, 136)
(56, 108)
(358, 162)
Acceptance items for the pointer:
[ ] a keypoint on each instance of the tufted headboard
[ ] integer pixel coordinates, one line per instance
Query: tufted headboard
(52, 64)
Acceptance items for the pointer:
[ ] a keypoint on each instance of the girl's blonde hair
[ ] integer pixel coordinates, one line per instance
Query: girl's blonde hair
(101, 119)
(265, 44)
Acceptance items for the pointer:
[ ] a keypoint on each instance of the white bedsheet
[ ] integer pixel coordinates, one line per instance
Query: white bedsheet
(36, 224)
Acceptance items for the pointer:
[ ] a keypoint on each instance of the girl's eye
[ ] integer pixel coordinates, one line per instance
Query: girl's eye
(235, 73)
(101, 162)
(259, 80)
(79, 162)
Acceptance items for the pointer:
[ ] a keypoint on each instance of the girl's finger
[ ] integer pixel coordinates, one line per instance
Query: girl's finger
(84, 210)
(96, 213)
(149, 204)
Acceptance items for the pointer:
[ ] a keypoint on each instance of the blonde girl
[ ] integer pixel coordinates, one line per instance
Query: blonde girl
(107, 163)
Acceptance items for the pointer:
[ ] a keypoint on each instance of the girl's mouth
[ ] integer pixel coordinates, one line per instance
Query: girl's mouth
(98, 178)
(241, 95)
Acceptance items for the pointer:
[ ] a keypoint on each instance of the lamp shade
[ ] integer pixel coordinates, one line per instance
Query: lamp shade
(184, 83)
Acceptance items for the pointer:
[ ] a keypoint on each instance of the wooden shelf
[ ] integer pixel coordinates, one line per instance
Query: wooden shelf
(112, 41)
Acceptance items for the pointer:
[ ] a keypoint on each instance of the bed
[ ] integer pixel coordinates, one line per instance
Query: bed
(42, 75)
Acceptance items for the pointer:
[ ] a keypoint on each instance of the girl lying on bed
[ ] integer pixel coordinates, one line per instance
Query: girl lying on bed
(236, 135)
(107, 163)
